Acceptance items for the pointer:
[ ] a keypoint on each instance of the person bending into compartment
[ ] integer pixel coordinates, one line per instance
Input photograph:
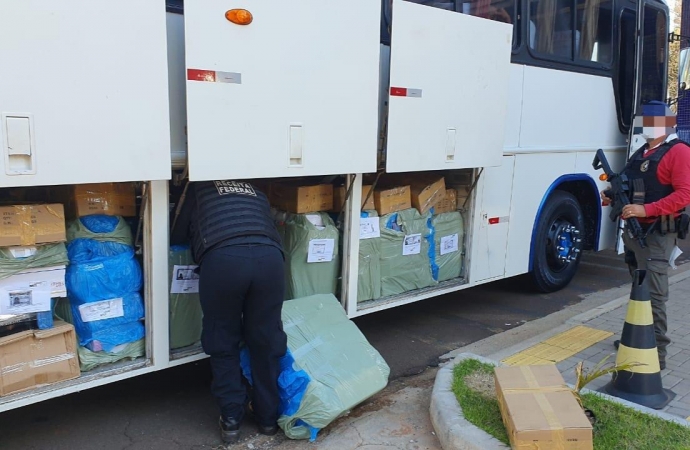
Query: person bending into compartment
(241, 287)
(659, 180)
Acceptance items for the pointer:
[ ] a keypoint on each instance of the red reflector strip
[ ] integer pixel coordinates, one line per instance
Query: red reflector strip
(494, 220)
(405, 92)
(201, 75)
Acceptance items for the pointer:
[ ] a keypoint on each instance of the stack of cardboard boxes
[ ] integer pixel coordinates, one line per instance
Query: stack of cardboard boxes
(35, 350)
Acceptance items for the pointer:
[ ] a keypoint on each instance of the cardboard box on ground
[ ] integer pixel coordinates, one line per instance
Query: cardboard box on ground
(539, 410)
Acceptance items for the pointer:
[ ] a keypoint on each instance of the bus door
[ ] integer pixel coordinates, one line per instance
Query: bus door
(281, 89)
(650, 66)
(449, 84)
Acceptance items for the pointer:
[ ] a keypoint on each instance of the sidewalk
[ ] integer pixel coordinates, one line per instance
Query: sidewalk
(608, 320)
(676, 376)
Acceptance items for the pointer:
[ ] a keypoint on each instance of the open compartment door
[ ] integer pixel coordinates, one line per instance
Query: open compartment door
(293, 93)
(449, 79)
(83, 92)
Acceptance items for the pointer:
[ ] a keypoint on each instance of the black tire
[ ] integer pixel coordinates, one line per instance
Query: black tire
(558, 243)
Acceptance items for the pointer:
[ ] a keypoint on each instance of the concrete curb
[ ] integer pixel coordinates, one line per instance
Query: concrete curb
(452, 430)
(455, 432)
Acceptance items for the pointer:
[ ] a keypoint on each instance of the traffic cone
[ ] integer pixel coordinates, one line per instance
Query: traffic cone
(640, 384)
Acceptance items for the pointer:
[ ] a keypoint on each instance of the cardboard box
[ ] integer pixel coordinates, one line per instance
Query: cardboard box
(32, 224)
(427, 192)
(339, 198)
(448, 204)
(539, 410)
(299, 199)
(392, 200)
(32, 290)
(35, 358)
(110, 199)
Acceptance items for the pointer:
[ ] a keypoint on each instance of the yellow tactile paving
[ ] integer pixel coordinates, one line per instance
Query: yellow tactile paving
(558, 348)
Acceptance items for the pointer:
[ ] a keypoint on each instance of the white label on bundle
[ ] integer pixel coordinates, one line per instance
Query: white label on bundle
(412, 245)
(25, 300)
(22, 252)
(369, 227)
(185, 280)
(321, 250)
(105, 309)
(449, 244)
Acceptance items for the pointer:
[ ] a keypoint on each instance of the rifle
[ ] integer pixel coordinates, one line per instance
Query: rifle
(619, 195)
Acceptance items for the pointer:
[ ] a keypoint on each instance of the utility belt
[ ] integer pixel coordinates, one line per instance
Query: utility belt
(669, 224)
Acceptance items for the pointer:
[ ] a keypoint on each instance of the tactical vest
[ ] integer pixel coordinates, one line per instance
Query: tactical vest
(228, 209)
(645, 186)
(644, 169)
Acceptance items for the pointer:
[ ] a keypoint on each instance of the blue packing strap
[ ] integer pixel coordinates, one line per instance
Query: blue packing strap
(313, 432)
(364, 214)
(431, 238)
(292, 384)
(392, 223)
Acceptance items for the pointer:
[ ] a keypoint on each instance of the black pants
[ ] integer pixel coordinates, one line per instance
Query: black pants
(242, 290)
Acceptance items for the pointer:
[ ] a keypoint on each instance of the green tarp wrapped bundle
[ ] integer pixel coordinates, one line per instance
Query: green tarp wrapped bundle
(44, 256)
(404, 252)
(185, 309)
(122, 234)
(89, 360)
(369, 272)
(302, 238)
(342, 368)
(449, 233)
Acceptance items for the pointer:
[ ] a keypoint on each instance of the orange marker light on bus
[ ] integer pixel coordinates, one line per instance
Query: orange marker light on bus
(603, 177)
(239, 16)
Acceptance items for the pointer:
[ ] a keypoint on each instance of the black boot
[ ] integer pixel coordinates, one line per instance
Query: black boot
(266, 430)
(229, 430)
(617, 343)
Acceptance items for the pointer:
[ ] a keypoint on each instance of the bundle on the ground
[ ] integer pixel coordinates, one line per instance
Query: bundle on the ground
(329, 369)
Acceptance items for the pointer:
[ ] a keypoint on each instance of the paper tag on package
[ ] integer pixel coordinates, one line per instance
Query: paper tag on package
(106, 309)
(674, 255)
(449, 244)
(321, 250)
(412, 245)
(25, 300)
(185, 280)
(369, 228)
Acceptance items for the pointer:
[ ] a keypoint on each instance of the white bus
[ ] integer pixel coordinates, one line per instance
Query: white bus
(508, 99)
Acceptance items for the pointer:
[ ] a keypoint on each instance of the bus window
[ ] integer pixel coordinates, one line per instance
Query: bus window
(551, 29)
(595, 30)
(626, 66)
(653, 55)
(449, 5)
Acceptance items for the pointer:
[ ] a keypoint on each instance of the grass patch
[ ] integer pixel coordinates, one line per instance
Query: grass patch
(617, 427)
(480, 410)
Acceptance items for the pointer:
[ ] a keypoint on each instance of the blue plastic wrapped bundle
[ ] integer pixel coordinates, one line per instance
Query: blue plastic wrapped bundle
(103, 277)
(91, 318)
(103, 283)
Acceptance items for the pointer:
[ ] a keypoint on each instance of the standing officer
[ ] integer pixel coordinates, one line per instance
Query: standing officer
(659, 179)
(241, 287)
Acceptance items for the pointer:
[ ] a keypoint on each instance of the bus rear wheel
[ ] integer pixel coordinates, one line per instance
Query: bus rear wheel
(558, 242)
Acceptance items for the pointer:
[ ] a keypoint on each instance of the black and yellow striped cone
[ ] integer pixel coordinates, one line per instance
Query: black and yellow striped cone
(640, 384)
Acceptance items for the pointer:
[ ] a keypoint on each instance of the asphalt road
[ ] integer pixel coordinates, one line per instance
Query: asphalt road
(173, 409)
